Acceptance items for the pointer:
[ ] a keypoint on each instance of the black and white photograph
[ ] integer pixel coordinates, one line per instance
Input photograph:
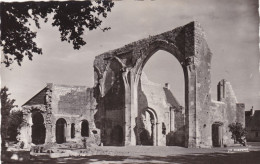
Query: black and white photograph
(130, 81)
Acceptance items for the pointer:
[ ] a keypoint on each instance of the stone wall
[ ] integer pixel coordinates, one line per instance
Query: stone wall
(188, 45)
(253, 125)
(73, 104)
(152, 96)
(225, 111)
(118, 106)
(111, 104)
(165, 108)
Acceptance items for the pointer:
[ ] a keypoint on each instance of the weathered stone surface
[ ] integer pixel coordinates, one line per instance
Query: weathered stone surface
(124, 108)
(71, 103)
(252, 125)
(158, 110)
(188, 45)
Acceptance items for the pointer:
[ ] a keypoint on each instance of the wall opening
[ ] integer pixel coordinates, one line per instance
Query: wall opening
(162, 81)
(163, 68)
(148, 134)
(145, 138)
(117, 135)
(61, 130)
(84, 128)
(217, 134)
(38, 129)
(72, 130)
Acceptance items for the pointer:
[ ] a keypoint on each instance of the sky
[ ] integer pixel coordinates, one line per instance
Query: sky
(231, 28)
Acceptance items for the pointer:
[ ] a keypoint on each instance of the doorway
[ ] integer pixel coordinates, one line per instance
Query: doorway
(60, 130)
(38, 129)
(217, 134)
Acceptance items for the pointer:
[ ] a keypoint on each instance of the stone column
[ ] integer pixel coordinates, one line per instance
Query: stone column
(127, 110)
(134, 107)
(190, 110)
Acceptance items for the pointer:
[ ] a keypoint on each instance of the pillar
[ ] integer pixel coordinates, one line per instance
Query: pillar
(190, 103)
(127, 110)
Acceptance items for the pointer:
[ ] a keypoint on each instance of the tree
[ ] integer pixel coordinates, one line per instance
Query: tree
(71, 17)
(6, 105)
(15, 119)
(238, 132)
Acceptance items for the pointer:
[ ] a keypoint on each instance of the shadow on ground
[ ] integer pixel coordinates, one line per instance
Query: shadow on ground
(211, 158)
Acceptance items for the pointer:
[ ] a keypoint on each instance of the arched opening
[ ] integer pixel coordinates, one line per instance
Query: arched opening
(84, 128)
(148, 135)
(72, 130)
(161, 84)
(38, 129)
(164, 69)
(217, 134)
(61, 130)
(117, 135)
(145, 138)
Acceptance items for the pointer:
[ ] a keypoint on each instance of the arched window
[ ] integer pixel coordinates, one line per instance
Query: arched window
(84, 128)
(72, 131)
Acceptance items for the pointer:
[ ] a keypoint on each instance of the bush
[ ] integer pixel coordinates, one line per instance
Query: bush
(238, 133)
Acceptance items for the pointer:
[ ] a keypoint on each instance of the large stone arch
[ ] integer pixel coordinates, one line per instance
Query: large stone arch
(188, 45)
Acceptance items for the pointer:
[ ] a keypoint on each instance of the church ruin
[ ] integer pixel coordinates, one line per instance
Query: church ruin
(124, 108)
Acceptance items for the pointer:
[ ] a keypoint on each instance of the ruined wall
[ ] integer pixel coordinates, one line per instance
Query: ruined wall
(72, 100)
(74, 104)
(225, 111)
(253, 125)
(167, 110)
(234, 110)
(110, 94)
(152, 95)
(120, 101)
(203, 81)
(188, 45)
(217, 114)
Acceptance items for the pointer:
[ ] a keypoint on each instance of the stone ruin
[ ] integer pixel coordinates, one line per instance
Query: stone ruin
(124, 108)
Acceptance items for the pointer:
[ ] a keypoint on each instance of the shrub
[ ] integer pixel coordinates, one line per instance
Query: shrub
(238, 133)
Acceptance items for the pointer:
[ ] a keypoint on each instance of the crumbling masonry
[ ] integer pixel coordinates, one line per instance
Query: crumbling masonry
(125, 108)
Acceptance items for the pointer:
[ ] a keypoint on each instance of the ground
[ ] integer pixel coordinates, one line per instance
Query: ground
(149, 154)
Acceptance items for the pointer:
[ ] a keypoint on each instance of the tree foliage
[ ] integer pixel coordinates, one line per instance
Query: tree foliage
(15, 120)
(71, 17)
(6, 105)
(238, 132)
